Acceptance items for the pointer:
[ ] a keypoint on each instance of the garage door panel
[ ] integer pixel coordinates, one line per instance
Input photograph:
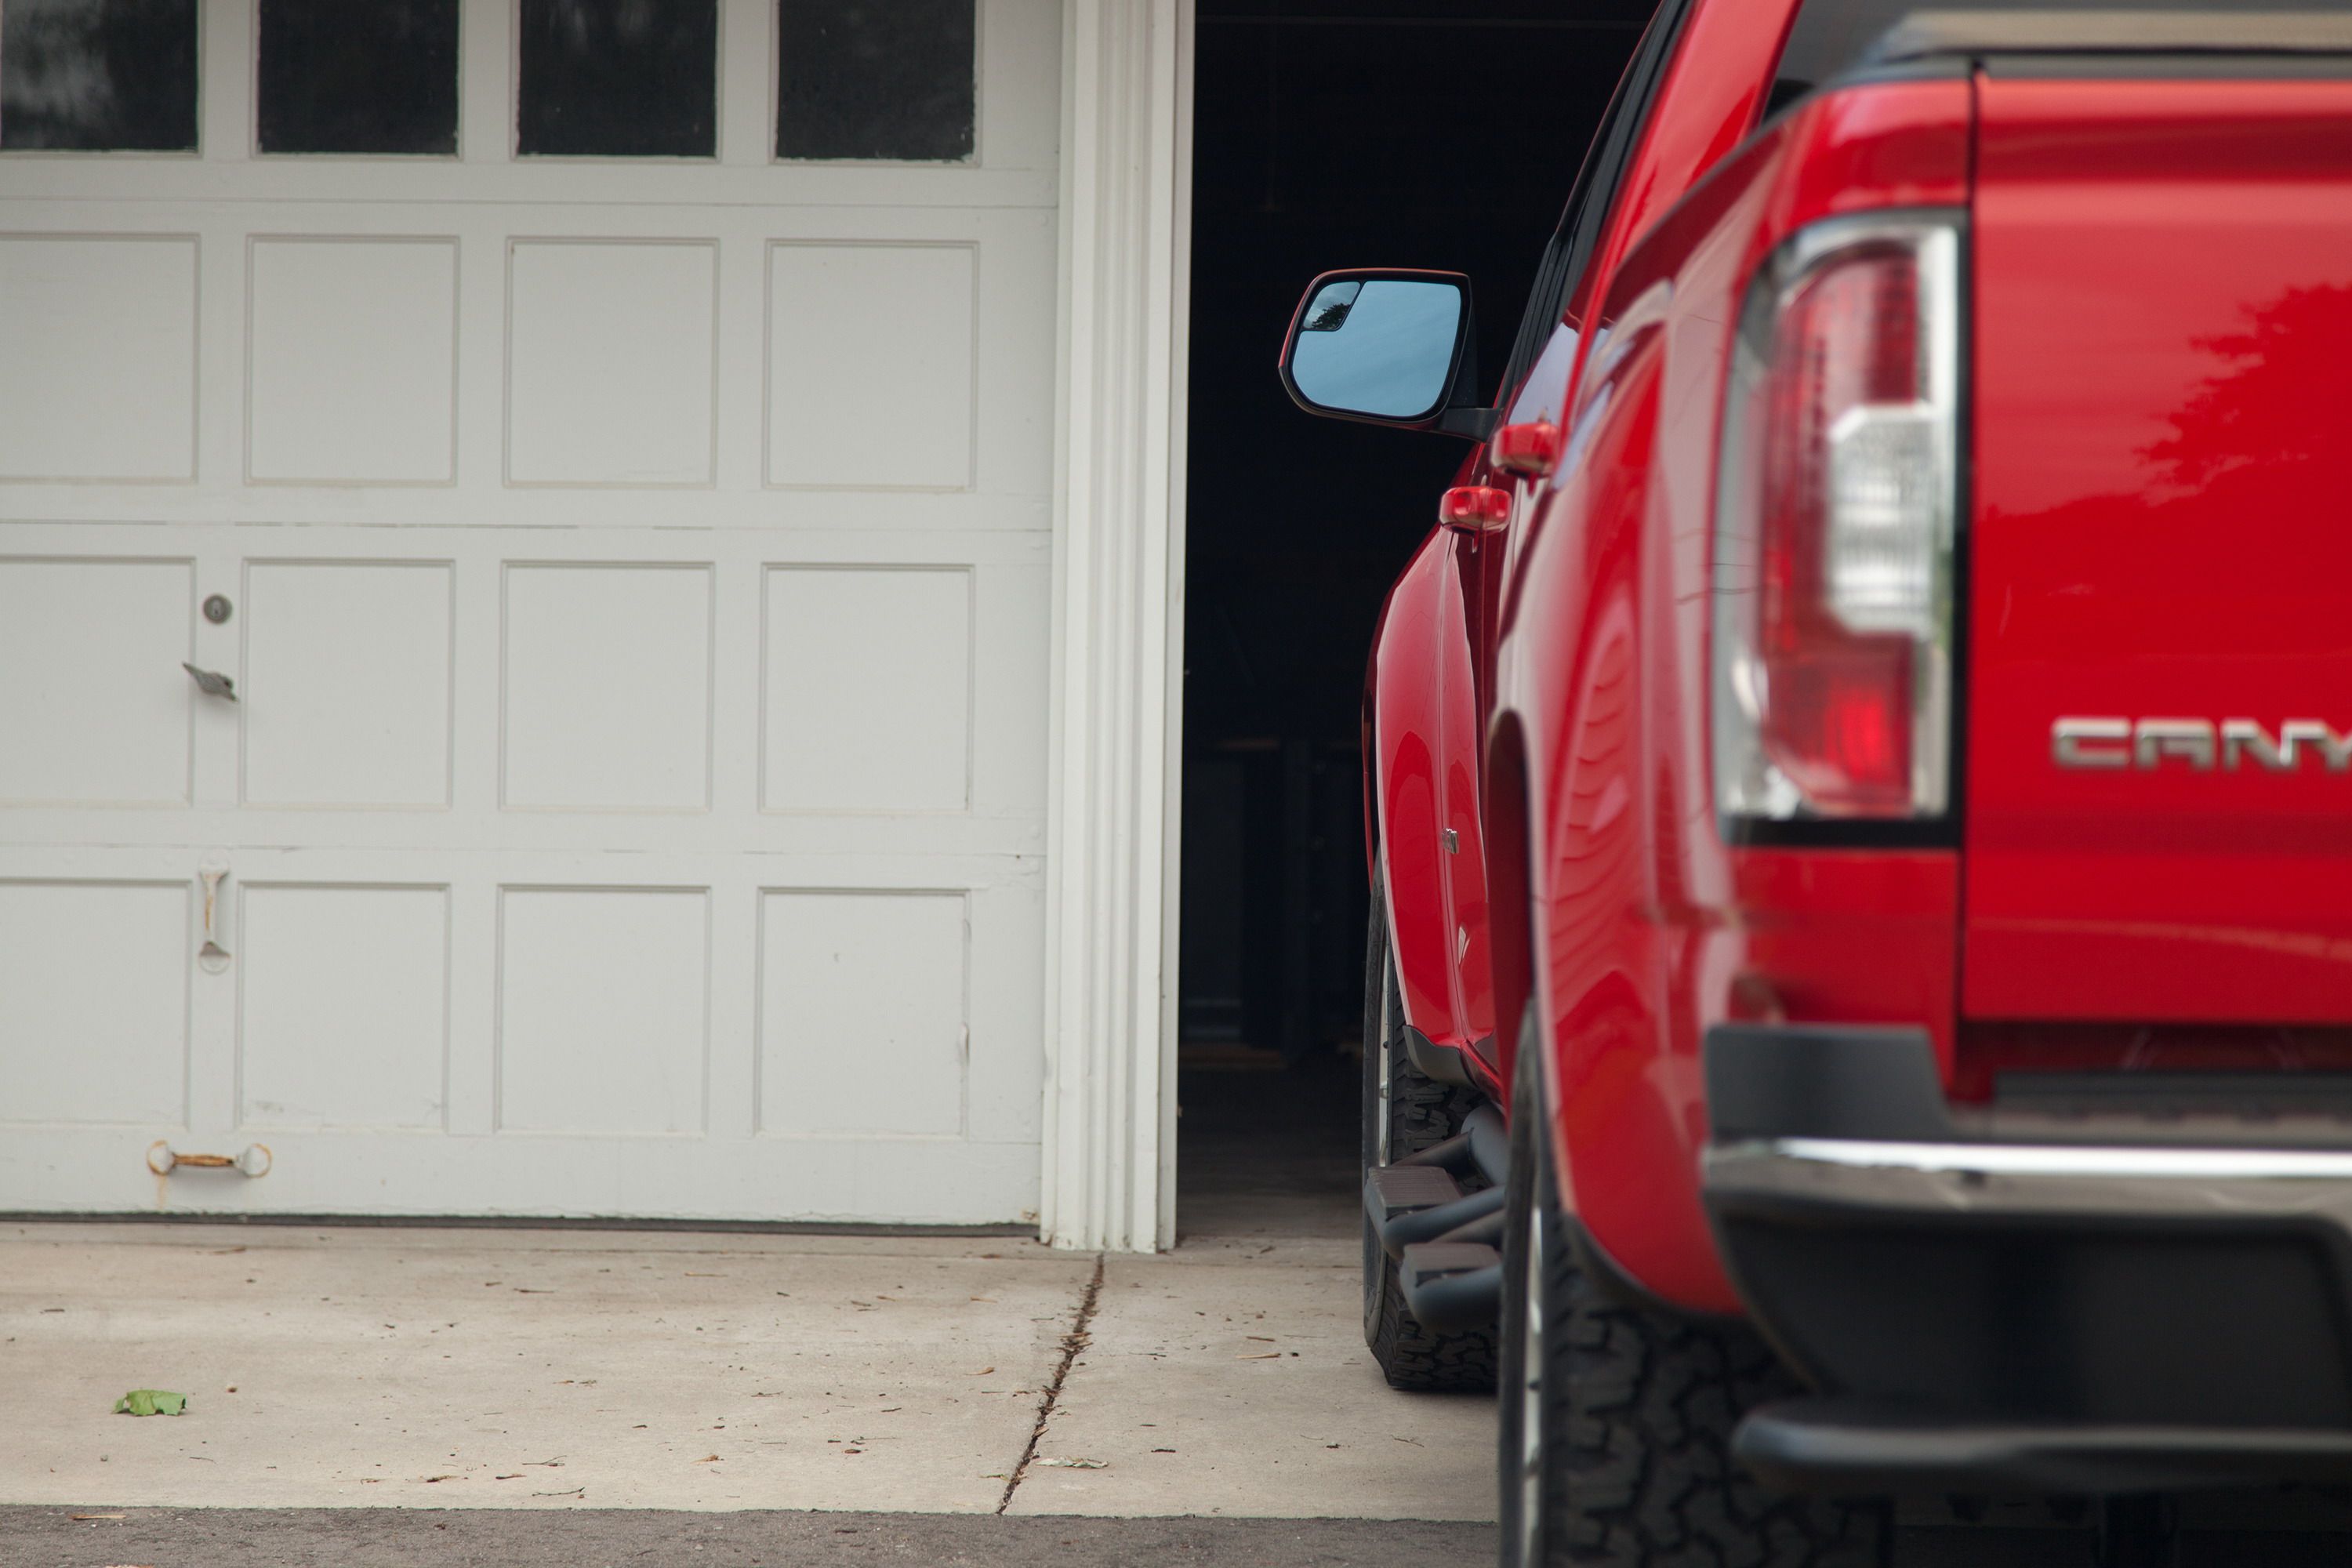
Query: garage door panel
(607, 689)
(95, 1029)
(96, 706)
(863, 1015)
(603, 1009)
(98, 336)
(1010, 659)
(871, 355)
(912, 1180)
(1015, 420)
(611, 346)
(867, 690)
(1008, 1009)
(636, 584)
(342, 1006)
(351, 355)
(347, 691)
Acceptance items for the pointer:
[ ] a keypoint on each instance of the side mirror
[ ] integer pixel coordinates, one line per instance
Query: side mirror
(1382, 345)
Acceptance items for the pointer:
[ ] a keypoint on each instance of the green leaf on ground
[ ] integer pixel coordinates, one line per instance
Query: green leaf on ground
(151, 1402)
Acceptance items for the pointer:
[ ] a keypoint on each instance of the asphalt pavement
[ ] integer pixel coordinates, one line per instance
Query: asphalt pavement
(606, 1537)
(619, 1538)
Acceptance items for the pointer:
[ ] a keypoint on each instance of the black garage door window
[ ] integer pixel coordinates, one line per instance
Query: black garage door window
(885, 80)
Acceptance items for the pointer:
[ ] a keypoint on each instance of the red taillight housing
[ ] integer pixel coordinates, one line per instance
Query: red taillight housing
(1834, 527)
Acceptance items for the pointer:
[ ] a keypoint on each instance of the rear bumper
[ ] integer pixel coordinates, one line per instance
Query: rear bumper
(1856, 1448)
(2091, 1315)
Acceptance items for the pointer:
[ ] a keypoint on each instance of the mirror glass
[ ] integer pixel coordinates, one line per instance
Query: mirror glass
(1382, 346)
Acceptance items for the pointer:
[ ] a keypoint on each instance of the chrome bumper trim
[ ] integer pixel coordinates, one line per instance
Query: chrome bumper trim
(2022, 1178)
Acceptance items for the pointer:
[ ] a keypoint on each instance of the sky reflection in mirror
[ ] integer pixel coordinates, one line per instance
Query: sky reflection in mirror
(1382, 346)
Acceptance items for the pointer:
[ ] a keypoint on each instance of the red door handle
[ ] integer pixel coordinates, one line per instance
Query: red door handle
(1531, 449)
(1474, 509)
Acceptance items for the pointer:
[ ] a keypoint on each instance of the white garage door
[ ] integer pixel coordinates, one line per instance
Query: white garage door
(606, 445)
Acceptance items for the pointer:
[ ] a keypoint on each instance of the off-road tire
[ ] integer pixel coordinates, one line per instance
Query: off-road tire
(1421, 1111)
(1632, 1467)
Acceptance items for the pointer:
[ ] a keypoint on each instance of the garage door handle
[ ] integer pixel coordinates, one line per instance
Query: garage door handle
(210, 683)
(253, 1161)
(213, 957)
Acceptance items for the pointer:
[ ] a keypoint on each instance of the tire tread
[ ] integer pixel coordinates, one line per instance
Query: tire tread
(1638, 1406)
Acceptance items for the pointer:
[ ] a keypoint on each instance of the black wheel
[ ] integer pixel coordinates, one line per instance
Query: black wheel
(1405, 1111)
(1616, 1420)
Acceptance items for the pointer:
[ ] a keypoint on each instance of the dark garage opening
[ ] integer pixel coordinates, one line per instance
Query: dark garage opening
(1326, 133)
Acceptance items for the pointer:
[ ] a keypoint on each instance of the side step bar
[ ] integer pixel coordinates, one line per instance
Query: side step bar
(1482, 1145)
(1445, 1241)
(1454, 1287)
(1412, 1203)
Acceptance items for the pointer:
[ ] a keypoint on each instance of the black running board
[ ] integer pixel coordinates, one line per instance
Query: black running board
(1444, 1240)
(1454, 1287)
(1858, 1448)
(1483, 1146)
(1408, 1204)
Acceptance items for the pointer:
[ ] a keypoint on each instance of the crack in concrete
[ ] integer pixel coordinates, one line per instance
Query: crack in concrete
(1072, 1343)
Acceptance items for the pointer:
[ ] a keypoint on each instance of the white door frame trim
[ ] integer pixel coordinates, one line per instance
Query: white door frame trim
(1113, 819)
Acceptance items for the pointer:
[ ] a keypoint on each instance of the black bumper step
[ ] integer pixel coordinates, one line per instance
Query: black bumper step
(1861, 1447)
(1412, 1204)
(1453, 1287)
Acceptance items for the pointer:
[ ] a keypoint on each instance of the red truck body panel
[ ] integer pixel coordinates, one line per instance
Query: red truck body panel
(1649, 929)
(1423, 763)
(2159, 534)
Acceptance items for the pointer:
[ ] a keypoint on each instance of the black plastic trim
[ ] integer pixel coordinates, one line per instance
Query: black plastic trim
(1858, 833)
(1470, 424)
(2172, 67)
(1416, 1226)
(1767, 1081)
(1770, 1081)
(1431, 1059)
(1392, 1191)
(1850, 1447)
(1486, 1230)
(2178, 1093)
(1483, 1146)
(1622, 1288)
(1454, 1154)
(1490, 1143)
(2222, 29)
(1453, 1288)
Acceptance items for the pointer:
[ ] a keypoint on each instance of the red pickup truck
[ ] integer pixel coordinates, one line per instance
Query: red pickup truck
(1860, 981)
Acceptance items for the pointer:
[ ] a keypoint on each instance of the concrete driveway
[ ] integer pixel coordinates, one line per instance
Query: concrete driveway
(573, 1369)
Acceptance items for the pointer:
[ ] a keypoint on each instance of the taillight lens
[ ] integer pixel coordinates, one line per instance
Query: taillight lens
(1834, 528)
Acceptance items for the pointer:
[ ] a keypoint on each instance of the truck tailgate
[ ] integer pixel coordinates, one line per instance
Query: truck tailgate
(2157, 810)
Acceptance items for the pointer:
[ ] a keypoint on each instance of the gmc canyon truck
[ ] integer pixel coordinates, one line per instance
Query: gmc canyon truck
(1859, 996)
